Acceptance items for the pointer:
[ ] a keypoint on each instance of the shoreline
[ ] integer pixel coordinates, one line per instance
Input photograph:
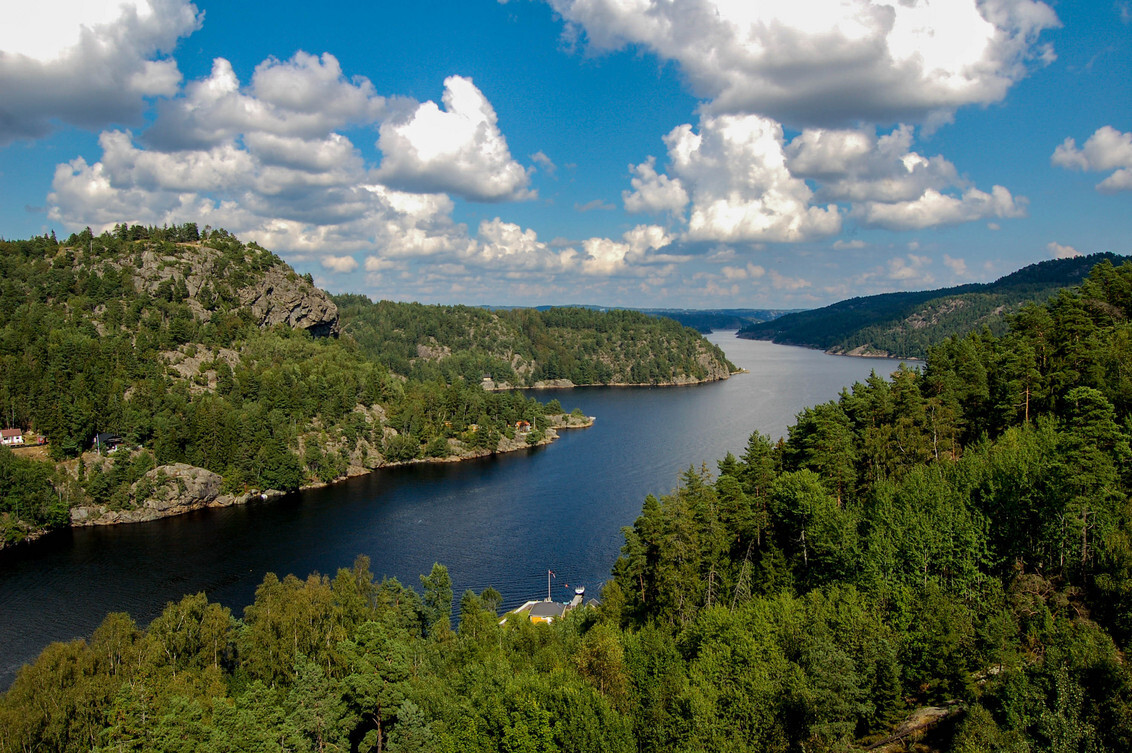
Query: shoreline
(566, 384)
(86, 516)
(832, 352)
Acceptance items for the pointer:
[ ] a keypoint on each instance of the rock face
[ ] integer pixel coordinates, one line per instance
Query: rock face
(275, 295)
(164, 491)
(281, 297)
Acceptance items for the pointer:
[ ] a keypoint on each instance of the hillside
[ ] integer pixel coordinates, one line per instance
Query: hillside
(938, 562)
(219, 374)
(551, 347)
(907, 324)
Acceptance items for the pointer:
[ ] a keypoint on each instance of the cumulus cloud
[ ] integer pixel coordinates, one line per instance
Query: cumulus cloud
(830, 62)
(958, 267)
(1058, 251)
(266, 161)
(339, 263)
(749, 272)
(856, 165)
(935, 208)
(459, 149)
(303, 97)
(604, 256)
(519, 249)
(653, 192)
(741, 189)
(1106, 149)
(87, 64)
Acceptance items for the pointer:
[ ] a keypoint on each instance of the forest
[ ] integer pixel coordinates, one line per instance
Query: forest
(955, 540)
(908, 324)
(522, 347)
(153, 335)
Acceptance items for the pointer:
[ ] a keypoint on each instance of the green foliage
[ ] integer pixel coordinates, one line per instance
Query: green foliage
(909, 324)
(91, 342)
(959, 537)
(524, 346)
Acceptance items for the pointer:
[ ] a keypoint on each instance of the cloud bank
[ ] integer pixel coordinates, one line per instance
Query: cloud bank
(98, 67)
(829, 62)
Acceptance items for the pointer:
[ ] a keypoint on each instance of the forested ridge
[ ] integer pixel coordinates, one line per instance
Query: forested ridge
(957, 539)
(523, 347)
(195, 348)
(908, 324)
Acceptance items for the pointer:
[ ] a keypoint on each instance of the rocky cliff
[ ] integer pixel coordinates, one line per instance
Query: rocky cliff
(205, 277)
(167, 490)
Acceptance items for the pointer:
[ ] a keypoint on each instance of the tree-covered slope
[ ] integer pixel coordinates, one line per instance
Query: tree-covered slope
(526, 347)
(939, 562)
(206, 352)
(908, 324)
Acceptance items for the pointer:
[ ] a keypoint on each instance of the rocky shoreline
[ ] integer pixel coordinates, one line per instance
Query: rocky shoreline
(178, 488)
(566, 384)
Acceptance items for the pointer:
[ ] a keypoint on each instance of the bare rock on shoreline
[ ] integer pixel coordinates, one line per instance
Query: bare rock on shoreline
(166, 490)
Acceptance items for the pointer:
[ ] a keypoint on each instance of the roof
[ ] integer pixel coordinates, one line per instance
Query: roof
(11, 432)
(546, 609)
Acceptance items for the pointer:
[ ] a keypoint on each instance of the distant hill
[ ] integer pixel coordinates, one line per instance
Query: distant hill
(907, 324)
(217, 373)
(701, 320)
(543, 347)
(708, 320)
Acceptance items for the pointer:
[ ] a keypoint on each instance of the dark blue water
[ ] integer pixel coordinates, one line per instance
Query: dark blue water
(501, 521)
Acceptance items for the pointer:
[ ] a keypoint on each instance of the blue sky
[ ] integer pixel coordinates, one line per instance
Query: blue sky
(684, 153)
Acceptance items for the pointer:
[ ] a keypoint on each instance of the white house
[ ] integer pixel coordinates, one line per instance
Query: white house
(11, 436)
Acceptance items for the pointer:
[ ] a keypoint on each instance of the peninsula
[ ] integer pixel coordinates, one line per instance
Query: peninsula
(218, 375)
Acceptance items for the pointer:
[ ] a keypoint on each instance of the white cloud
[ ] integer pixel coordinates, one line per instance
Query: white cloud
(830, 62)
(87, 63)
(781, 282)
(741, 189)
(653, 192)
(304, 97)
(859, 166)
(935, 208)
(517, 248)
(910, 269)
(751, 271)
(1058, 251)
(605, 256)
(378, 264)
(339, 263)
(958, 267)
(843, 245)
(590, 206)
(1106, 149)
(459, 149)
(545, 162)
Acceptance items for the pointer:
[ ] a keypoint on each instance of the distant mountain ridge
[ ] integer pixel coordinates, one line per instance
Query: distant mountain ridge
(701, 320)
(906, 324)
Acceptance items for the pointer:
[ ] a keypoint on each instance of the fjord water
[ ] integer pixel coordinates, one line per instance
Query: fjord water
(499, 522)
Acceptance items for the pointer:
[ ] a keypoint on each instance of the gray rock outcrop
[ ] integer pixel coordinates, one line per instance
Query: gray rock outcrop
(281, 297)
(166, 490)
(276, 295)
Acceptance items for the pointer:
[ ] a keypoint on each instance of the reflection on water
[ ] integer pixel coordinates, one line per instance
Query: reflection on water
(499, 521)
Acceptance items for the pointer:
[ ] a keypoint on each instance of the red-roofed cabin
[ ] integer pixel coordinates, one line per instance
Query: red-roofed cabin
(11, 436)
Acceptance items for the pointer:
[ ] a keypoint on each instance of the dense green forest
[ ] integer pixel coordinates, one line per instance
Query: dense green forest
(907, 325)
(956, 540)
(197, 348)
(521, 347)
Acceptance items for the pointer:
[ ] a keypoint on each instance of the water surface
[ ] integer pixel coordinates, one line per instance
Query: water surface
(499, 521)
